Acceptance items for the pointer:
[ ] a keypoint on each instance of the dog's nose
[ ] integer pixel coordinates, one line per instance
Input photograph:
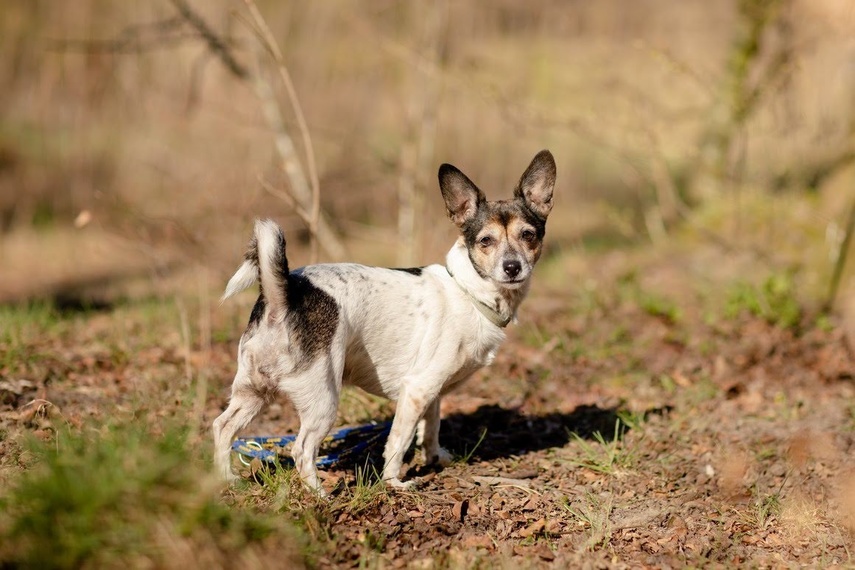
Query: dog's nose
(512, 267)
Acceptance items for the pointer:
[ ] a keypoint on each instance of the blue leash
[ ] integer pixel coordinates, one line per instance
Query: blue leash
(272, 449)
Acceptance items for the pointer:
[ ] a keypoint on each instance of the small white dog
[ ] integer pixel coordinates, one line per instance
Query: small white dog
(410, 335)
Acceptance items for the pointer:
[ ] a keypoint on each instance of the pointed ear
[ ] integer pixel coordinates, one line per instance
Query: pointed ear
(535, 186)
(462, 197)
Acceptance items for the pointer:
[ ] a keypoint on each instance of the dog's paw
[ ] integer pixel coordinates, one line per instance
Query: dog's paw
(399, 485)
(226, 476)
(441, 457)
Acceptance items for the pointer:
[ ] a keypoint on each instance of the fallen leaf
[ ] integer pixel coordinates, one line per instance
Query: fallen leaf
(540, 550)
(680, 380)
(254, 466)
(477, 541)
(533, 529)
(544, 552)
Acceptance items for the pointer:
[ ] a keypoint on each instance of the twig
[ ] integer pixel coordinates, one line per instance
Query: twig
(842, 255)
(287, 198)
(215, 43)
(132, 39)
(524, 483)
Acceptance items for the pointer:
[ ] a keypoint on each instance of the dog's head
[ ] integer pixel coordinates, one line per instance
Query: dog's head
(505, 237)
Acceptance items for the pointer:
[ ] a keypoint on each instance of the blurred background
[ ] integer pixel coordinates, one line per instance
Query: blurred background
(138, 140)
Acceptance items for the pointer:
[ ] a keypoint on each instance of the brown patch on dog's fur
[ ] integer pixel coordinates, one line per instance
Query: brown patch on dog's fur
(522, 236)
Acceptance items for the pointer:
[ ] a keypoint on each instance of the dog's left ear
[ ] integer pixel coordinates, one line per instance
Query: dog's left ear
(535, 186)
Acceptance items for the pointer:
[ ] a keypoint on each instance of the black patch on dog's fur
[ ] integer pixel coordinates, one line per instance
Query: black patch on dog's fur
(251, 254)
(417, 271)
(257, 313)
(312, 317)
(279, 262)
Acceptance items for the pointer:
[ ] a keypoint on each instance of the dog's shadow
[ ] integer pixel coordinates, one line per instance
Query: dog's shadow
(492, 432)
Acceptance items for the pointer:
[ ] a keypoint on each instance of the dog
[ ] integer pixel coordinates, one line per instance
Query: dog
(410, 335)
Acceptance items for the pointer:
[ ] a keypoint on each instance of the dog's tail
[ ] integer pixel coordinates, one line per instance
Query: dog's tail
(264, 258)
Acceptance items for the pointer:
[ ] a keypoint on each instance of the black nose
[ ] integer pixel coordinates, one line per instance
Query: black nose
(512, 267)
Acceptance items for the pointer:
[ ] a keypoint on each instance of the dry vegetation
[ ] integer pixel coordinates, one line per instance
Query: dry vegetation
(677, 392)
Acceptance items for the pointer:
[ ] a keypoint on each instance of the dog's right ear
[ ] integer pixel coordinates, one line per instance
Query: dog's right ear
(462, 197)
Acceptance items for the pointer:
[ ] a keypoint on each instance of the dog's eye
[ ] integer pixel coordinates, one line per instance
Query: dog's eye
(527, 235)
(486, 241)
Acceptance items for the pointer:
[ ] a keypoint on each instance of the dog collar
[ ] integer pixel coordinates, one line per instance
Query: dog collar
(492, 314)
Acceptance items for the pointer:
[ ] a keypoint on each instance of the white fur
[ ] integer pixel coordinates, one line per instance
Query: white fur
(244, 278)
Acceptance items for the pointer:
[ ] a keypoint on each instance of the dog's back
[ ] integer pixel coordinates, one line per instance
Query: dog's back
(387, 324)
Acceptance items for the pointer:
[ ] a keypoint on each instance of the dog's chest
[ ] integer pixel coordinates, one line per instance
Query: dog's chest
(444, 357)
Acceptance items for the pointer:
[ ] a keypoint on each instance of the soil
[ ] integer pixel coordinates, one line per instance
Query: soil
(610, 432)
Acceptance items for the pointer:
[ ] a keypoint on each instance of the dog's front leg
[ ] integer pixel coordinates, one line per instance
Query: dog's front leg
(411, 407)
(428, 437)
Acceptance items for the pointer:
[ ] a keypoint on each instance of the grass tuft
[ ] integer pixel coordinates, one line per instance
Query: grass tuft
(605, 456)
(19, 326)
(119, 495)
(773, 300)
(593, 514)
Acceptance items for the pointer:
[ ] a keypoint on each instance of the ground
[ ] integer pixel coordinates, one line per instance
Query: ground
(640, 415)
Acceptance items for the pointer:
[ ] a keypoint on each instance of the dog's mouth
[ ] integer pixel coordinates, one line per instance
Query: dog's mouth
(512, 283)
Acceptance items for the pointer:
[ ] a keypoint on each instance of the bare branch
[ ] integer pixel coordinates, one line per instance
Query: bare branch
(840, 262)
(215, 43)
(308, 148)
(287, 198)
(303, 197)
(162, 34)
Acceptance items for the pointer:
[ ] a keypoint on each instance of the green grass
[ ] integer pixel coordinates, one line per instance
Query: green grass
(764, 509)
(365, 490)
(654, 304)
(658, 306)
(773, 300)
(607, 456)
(20, 327)
(593, 513)
(121, 495)
(470, 452)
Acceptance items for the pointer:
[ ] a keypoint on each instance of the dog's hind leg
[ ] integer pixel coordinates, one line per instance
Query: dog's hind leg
(244, 405)
(317, 407)
(428, 437)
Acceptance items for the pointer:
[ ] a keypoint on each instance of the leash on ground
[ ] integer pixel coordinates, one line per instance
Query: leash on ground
(277, 449)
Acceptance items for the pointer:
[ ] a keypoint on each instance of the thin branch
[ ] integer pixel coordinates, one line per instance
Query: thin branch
(138, 38)
(840, 262)
(273, 47)
(308, 199)
(196, 73)
(287, 198)
(215, 43)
